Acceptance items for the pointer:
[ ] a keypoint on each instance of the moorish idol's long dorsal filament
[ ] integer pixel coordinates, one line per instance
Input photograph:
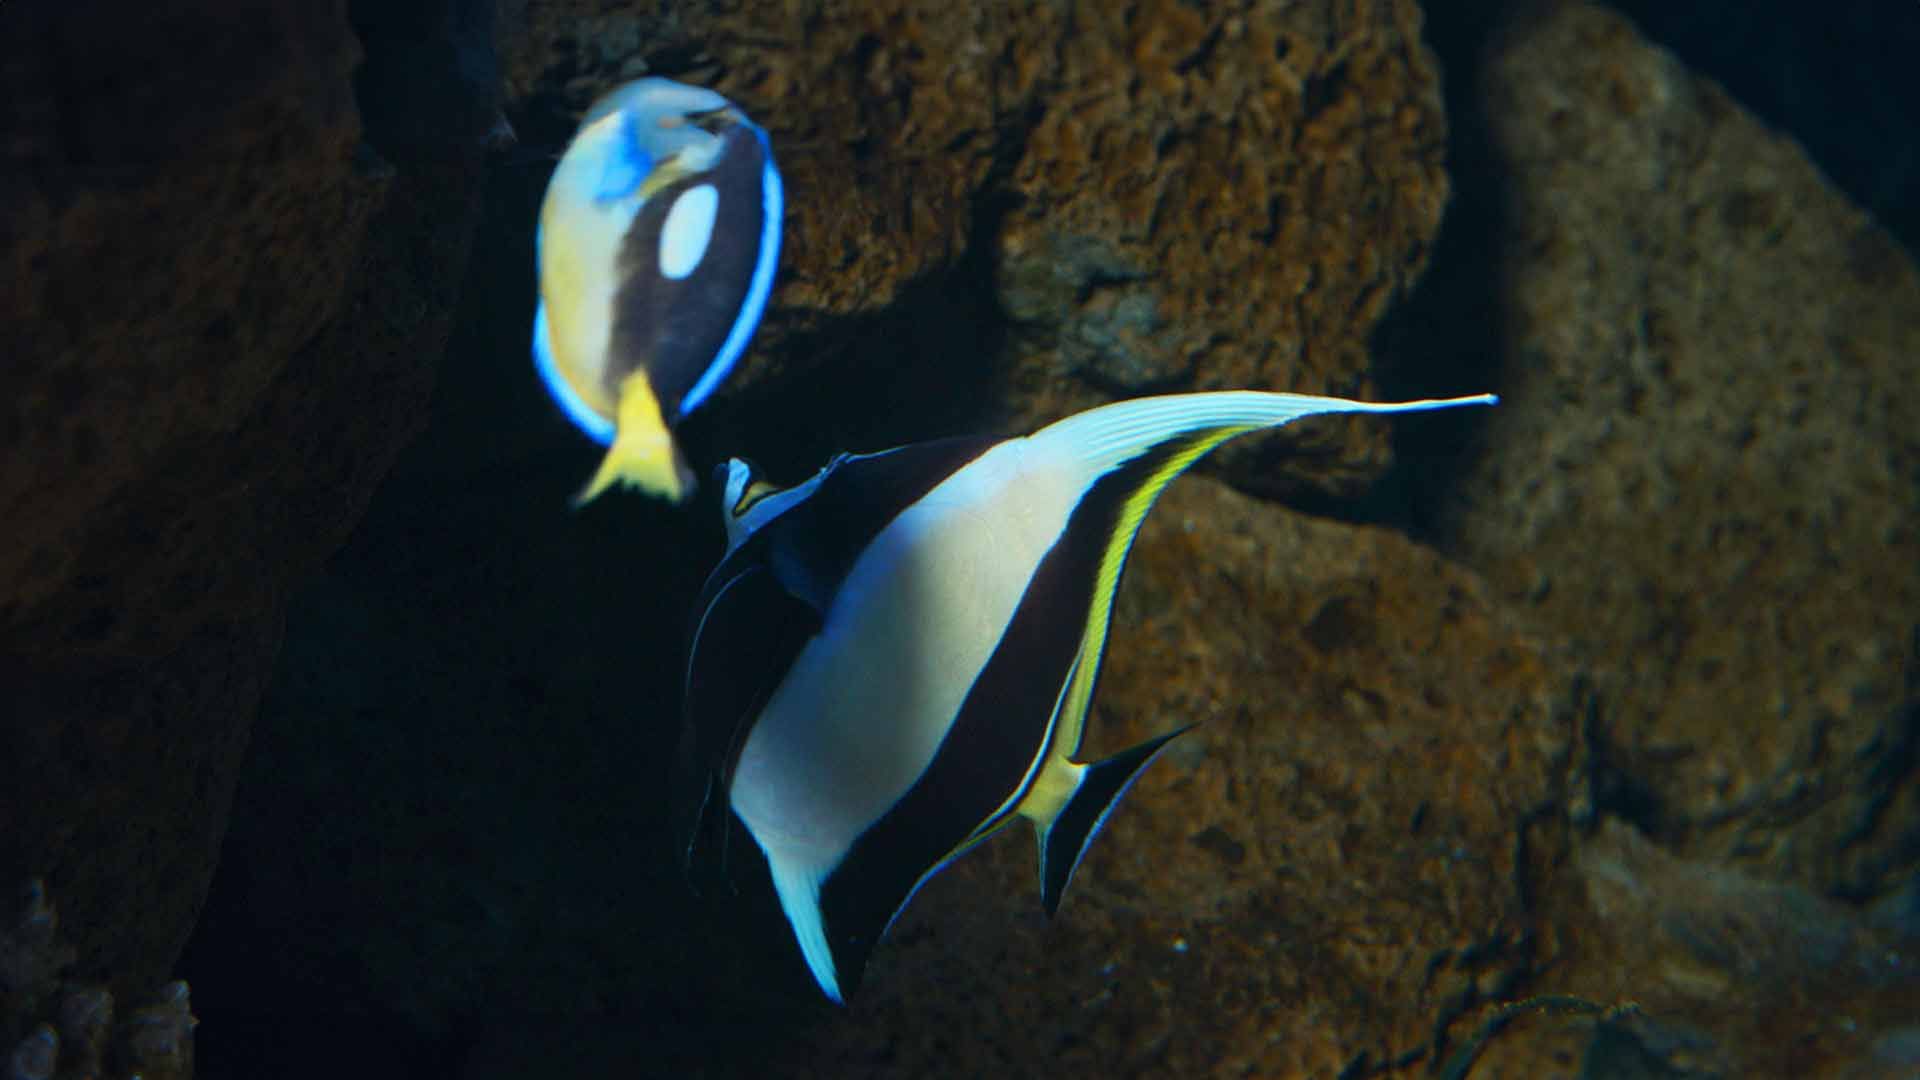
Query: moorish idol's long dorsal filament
(895, 659)
(657, 245)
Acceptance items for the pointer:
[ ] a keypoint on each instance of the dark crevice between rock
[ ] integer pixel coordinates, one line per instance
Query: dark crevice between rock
(429, 85)
(911, 372)
(275, 995)
(1599, 785)
(1838, 78)
(932, 364)
(1896, 757)
(1442, 338)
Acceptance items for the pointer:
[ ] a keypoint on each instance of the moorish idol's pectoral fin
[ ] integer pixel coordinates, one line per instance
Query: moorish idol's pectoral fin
(643, 454)
(1065, 836)
(747, 631)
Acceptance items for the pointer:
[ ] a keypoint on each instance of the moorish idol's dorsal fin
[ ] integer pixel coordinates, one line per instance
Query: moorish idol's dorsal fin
(1065, 838)
(1107, 437)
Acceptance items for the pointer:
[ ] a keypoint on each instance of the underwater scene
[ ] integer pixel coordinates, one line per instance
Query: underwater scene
(1146, 538)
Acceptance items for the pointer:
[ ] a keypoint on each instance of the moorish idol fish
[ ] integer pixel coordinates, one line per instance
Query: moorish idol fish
(657, 245)
(894, 659)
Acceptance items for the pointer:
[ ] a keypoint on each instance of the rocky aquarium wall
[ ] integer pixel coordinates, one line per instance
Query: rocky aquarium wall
(1575, 737)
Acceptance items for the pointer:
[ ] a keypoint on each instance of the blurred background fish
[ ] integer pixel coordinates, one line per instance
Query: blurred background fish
(658, 239)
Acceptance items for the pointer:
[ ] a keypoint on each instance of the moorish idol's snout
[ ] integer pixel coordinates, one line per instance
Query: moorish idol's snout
(896, 657)
(657, 245)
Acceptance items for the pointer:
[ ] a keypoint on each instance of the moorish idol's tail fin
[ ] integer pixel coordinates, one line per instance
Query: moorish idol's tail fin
(1109, 436)
(1064, 838)
(642, 454)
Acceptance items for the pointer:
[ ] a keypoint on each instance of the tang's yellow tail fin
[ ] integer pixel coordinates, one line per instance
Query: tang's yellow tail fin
(643, 454)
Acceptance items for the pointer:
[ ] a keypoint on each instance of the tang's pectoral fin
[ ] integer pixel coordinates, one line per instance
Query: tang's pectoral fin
(1064, 838)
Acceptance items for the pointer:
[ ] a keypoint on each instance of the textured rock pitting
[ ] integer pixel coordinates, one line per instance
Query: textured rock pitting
(1703, 472)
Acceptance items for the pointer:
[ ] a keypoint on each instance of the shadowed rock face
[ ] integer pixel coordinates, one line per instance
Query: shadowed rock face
(1700, 484)
(1702, 472)
(221, 314)
(1729, 974)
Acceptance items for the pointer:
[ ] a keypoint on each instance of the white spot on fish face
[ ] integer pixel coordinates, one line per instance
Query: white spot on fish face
(688, 228)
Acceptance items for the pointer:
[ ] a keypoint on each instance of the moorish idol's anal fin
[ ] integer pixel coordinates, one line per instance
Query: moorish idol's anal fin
(1064, 840)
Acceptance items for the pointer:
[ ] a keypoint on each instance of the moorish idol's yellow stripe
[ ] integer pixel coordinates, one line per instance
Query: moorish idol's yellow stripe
(1059, 776)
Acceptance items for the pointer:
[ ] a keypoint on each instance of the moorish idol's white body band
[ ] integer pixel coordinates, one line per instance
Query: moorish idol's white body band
(657, 245)
(896, 657)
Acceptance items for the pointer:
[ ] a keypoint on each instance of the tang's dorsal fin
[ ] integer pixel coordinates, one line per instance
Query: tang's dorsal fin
(1064, 838)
